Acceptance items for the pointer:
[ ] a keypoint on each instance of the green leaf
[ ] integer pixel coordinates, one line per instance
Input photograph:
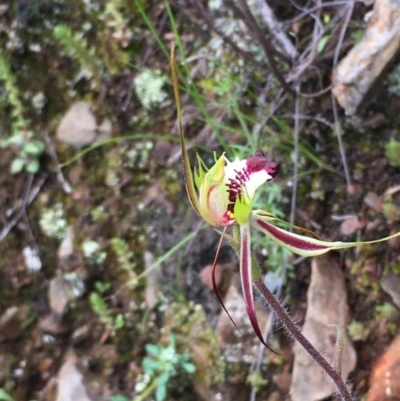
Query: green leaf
(153, 349)
(322, 43)
(12, 140)
(163, 379)
(150, 366)
(392, 152)
(161, 392)
(4, 396)
(119, 322)
(35, 148)
(17, 165)
(33, 166)
(189, 367)
(102, 287)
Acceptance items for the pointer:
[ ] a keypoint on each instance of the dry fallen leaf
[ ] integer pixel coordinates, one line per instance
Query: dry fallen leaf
(351, 225)
(374, 201)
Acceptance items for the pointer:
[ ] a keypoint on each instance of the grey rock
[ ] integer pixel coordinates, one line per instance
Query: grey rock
(326, 306)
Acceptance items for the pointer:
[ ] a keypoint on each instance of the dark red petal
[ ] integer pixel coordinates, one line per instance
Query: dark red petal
(245, 271)
(259, 162)
(289, 239)
(214, 283)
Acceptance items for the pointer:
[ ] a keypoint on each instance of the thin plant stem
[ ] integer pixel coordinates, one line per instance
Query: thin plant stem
(210, 22)
(268, 48)
(147, 391)
(334, 104)
(320, 6)
(275, 27)
(295, 331)
(339, 346)
(296, 155)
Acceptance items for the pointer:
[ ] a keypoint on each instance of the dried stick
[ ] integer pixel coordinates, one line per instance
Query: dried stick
(208, 19)
(334, 104)
(275, 28)
(60, 177)
(27, 198)
(296, 155)
(322, 5)
(253, 26)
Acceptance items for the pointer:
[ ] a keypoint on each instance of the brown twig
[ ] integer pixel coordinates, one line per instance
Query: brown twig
(275, 28)
(295, 154)
(27, 198)
(269, 50)
(334, 105)
(210, 22)
(322, 5)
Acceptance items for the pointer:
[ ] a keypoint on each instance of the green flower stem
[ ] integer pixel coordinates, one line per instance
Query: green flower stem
(147, 391)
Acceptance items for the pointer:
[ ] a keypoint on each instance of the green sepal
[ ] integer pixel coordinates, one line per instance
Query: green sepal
(187, 169)
(199, 172)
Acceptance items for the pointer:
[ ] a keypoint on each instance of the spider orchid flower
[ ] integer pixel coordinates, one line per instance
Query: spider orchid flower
(227, 189)
(223, 194)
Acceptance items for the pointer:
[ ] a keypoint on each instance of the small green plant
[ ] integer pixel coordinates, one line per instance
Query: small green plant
(357, 331)
(163, 364)
(22, 139)
(78, 48)
(105, 314)
(386, 311)
(390, 313)
(256, 380)
(125, 259)
(93, 253)
(101, 287)
(392, 152)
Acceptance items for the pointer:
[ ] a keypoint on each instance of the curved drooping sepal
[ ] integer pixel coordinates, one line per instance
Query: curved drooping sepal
(300, 244)
(249, 273)
(187, 169)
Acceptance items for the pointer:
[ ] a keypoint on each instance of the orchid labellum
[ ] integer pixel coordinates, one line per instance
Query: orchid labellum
(223, 195)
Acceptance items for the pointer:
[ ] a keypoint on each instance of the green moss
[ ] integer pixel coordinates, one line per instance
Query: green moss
(386, 311)
(358, 331)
